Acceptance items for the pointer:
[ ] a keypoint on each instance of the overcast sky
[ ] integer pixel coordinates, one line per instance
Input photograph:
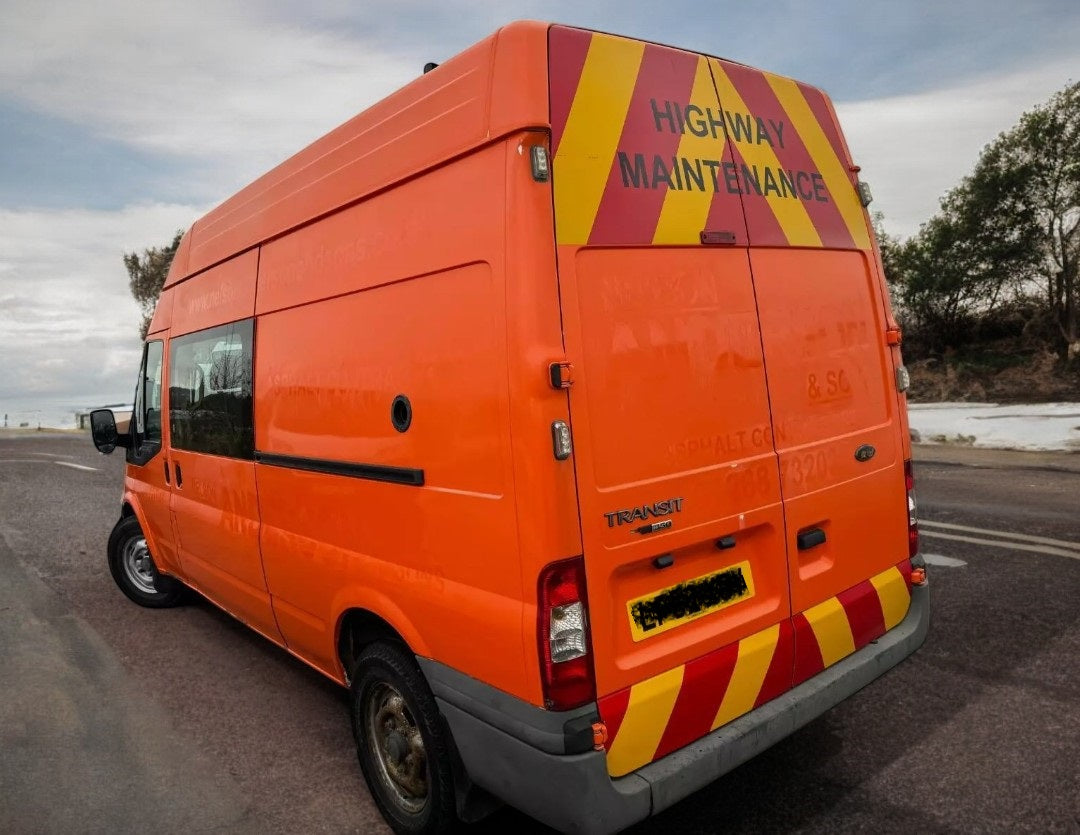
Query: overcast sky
(124, 120)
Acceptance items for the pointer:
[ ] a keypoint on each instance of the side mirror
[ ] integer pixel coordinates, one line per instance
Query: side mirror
(104, 433)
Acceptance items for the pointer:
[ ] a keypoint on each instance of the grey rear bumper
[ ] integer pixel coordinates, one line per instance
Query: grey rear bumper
(513, 750)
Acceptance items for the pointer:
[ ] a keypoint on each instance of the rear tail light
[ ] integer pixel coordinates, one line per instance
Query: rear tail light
(566, 670)
(912, 510)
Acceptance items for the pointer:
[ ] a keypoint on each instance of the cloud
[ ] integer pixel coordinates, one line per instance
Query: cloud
(68, 323)
(206, 79)
(913, 149)
(50, 162)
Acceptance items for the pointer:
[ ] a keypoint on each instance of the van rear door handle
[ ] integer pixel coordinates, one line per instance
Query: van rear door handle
(179, 476)
(809, 538)
(166, 472)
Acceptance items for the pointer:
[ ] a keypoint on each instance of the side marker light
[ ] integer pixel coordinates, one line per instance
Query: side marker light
(561, 442)
(599, 736)
(918, 576)
(540, 170)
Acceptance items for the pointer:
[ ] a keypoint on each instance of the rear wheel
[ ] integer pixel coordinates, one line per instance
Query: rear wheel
(134, 571)
(402, 745)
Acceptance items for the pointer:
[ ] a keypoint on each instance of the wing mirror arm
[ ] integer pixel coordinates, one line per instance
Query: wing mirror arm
(104, 433)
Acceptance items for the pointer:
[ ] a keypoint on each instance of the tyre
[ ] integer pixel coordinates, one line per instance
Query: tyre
(402, 743)
(134, 571)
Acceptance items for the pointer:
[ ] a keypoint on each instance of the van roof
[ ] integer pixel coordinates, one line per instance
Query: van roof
(493, 88)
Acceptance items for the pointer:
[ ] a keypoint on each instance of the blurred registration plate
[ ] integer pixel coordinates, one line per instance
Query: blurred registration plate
(660, 611)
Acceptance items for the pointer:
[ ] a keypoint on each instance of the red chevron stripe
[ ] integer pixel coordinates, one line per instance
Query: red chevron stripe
(762, 101)
(863, 609)
(705, 681)
(808, 661)
(818, 106)
(613, 711)
(567, 49)
(758, 216)
(630, 217)
(778, 676)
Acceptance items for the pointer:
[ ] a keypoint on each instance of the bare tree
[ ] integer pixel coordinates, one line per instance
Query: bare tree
(146, 274)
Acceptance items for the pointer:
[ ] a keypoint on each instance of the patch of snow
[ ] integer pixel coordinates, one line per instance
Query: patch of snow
(1040, 426)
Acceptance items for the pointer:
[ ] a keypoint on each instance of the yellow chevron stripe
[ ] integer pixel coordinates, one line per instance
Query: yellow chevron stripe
(684, 213)
(592, 133)
(837, 179)
(893, 593)
(831, 629)
(755, 655)
(790, 214)
(651, 703)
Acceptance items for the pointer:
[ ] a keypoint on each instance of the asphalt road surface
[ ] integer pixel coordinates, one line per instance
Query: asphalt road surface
(183, 720)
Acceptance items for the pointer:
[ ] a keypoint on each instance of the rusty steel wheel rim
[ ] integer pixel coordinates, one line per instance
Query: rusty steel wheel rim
(398, 746)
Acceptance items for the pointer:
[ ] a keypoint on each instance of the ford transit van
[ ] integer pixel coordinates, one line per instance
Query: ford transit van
(554, 406)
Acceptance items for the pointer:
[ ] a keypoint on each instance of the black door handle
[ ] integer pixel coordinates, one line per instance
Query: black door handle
(179, 476)
(166, 472)
(809, 538)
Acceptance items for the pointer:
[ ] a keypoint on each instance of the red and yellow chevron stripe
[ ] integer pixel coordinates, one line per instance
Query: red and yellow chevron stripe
(654, 145)
(667, 711)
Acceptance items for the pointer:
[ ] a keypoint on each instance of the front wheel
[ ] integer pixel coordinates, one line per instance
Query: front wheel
(401, 742)
(134, 571)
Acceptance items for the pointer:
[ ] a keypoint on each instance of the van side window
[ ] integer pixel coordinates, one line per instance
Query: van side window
(150, 414)
(146, 415)
(210, 396)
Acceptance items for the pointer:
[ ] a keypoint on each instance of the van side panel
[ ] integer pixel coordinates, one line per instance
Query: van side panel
(223, 294)
(401, 295)
(448, 217)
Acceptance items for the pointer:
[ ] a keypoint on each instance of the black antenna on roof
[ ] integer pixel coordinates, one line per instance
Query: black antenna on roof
(429, 66)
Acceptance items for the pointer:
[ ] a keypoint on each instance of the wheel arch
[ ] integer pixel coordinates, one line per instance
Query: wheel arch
(129, 506)
(367, 621)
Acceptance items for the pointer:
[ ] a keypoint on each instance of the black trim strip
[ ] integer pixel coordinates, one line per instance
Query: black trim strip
(373, 472)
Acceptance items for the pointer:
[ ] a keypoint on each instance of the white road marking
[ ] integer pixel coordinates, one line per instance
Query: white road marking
(52, 455)
(22, 461)
(998, 543)
(75, 466)
(1042, 540)
(942, 560)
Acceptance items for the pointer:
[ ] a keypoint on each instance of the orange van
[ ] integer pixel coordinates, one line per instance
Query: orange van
(554, 405)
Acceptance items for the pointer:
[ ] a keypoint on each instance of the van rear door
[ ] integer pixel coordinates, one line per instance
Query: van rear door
(678, 482)
(830, 372)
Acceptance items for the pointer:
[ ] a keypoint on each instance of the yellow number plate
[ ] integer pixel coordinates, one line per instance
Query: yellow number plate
(665, 609)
